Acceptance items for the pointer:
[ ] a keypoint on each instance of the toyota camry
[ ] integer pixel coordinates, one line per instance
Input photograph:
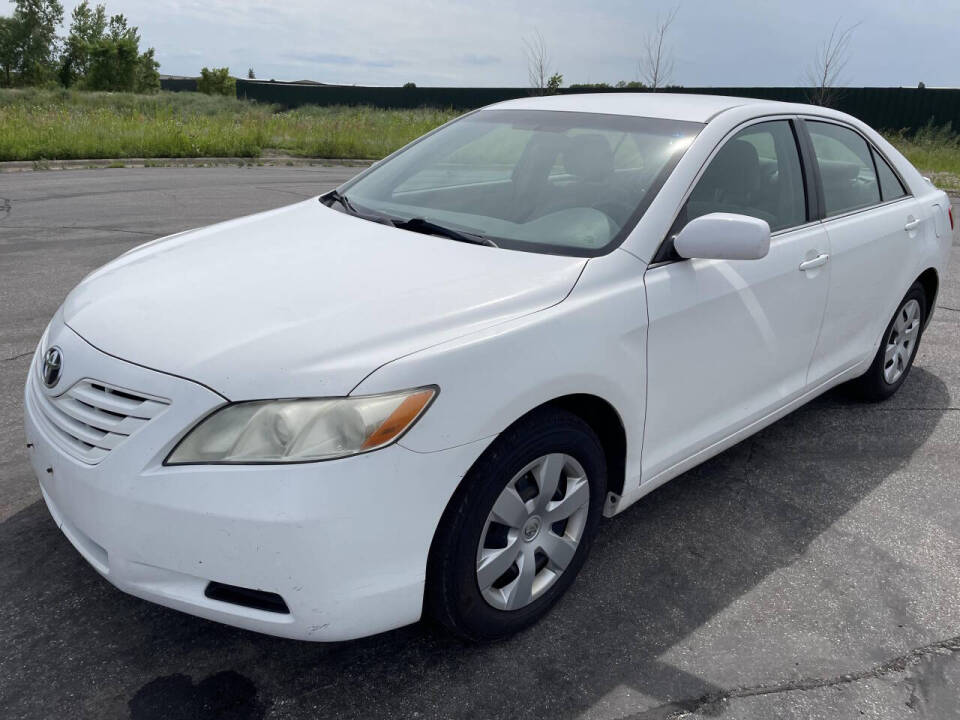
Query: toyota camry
(420, 393)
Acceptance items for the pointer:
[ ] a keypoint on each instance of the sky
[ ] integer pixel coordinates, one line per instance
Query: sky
(481, 42)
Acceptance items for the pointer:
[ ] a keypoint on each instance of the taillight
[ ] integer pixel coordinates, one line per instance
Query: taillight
(950, 215)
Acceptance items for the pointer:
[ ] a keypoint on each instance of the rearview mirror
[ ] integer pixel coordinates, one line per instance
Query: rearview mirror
(724, 236)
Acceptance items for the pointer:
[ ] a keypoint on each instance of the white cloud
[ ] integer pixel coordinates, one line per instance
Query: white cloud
(380, 42)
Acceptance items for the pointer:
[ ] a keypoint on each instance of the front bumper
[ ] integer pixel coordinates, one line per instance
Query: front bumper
(344, 542)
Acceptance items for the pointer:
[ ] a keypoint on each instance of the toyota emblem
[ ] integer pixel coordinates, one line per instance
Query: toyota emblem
(52, 367)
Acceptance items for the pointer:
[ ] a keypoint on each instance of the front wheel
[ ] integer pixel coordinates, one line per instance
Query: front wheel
(518, 531)
(894, 358)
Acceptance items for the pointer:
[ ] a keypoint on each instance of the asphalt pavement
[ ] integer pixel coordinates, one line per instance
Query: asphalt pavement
(813, 571)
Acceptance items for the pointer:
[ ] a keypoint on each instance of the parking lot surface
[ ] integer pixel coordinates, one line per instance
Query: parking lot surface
(812, 571)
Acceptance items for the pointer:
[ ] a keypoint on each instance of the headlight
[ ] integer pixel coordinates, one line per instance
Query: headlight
(290, 431)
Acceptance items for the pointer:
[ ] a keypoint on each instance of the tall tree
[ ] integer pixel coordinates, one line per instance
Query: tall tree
(87, 27)
(10, 34)
(37, 22)
(826, 70)
(116, 63)
(148, 72)
(543, 80)
(656, 65)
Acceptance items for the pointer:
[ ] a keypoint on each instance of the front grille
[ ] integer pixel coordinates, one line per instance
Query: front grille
(92, 418)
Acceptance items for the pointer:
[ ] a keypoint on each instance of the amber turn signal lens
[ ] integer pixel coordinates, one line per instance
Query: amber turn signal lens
(400, 419)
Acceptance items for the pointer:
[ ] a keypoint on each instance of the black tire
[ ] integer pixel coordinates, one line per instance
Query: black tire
(453, 596)
(873, 386)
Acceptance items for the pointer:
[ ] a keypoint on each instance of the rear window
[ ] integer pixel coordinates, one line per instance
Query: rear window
(846, 168)
(890, 186)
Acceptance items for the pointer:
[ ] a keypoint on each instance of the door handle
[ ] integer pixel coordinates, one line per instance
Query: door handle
(816, 262)
(912, 225)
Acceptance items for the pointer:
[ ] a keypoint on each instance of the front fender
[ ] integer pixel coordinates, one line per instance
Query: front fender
(594, 342)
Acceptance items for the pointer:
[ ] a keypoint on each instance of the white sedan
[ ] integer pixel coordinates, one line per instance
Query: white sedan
(421, 392)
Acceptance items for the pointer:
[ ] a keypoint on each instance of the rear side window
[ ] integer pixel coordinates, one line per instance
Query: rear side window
(890, 186)
(756, 173)
(846, 168)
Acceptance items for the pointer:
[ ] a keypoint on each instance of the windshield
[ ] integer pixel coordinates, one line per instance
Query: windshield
(546, 181)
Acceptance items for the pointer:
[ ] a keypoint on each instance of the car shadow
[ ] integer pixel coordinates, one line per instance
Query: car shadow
(657, 573)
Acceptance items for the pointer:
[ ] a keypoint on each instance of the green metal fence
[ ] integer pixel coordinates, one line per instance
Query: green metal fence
(178, 84)
(886, 108)
(294, 95)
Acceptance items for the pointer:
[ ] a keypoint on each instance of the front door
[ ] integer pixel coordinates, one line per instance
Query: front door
(731, 341)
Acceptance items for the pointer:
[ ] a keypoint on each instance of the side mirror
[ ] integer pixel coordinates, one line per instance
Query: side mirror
(724, 236)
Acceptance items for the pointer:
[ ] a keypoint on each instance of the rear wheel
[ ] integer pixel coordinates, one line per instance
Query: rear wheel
(517, 533)
(894, 358)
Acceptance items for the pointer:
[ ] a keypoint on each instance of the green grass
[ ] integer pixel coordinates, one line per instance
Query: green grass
(935, 150)
(45, 125)
(65, 125)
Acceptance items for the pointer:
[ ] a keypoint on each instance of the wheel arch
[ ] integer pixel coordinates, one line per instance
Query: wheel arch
(604, 419)
(606, 422)
(597, 412)
(930, 282)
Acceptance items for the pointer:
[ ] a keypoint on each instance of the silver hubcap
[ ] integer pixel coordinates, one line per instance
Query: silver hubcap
(901, 341)
(533, 531)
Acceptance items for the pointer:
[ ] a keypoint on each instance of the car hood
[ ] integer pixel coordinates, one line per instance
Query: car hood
(302, 301)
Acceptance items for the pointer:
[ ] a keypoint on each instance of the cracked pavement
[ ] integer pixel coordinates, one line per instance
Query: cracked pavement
(928, 677)
(812, 571)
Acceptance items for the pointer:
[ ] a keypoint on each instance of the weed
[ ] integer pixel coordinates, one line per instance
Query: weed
(63, 125)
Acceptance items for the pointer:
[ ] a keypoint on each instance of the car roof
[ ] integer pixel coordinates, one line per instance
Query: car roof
(670, 106)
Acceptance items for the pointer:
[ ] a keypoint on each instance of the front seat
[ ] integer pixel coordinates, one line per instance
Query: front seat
(730, 184)
(588, 158)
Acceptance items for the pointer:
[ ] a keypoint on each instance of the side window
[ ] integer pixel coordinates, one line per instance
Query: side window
(890, 186)
(846, 168)
(757, 173)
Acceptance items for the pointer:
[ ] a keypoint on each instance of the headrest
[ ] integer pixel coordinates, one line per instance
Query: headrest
(589, 157)
(735, 170)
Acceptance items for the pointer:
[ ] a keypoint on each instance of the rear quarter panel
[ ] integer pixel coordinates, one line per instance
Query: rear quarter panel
(932, 246)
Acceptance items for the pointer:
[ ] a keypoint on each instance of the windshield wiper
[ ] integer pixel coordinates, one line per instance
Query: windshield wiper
(416, 224)
(337, 196)
(427, 227)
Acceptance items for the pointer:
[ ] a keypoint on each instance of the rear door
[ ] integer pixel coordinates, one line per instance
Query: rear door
(731, 341)
(871, 221)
